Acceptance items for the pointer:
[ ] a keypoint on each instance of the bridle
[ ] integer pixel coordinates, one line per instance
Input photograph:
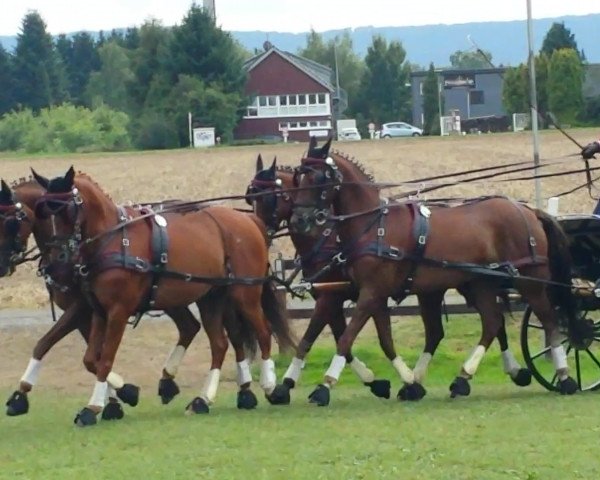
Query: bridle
(257, 185)
(13, 216)
(328, 177)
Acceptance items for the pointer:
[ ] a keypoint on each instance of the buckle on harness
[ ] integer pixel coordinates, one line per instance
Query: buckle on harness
(83, 271)
(339, 258)
(422, 240)
(164, 257)
(532, 242)
(381, 232)
(140, 264)
(125, 242)
(394, 252)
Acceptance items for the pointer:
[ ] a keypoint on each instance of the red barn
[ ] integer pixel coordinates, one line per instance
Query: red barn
(287, 93)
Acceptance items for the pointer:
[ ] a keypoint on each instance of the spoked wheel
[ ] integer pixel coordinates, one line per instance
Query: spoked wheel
(583, 355)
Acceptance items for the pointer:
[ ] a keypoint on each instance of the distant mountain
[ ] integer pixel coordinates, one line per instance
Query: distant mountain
(507, 41)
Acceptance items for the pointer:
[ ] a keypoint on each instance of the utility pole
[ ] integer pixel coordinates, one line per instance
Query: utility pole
(534, 108)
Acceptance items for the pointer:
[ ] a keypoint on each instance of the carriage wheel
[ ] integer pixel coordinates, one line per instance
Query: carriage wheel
(583, 356)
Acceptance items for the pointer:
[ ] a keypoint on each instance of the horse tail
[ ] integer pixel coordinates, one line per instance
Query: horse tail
(276, 313)
(561, 271)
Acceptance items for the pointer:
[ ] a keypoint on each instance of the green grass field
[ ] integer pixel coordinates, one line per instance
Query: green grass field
(499, 432)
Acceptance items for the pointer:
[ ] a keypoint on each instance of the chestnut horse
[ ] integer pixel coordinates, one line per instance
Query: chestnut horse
(393, 249)
(274, 209)
(18, 219)
(315, 253)
(214, 254)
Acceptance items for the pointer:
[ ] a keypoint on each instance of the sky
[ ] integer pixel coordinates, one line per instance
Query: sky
(64, 16)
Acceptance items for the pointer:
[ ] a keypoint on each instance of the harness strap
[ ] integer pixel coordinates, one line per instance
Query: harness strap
(420, 233)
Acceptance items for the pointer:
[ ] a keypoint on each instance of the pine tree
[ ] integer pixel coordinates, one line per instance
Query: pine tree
(431, 102)
(37, 66)
(7, 101)
(558, 37)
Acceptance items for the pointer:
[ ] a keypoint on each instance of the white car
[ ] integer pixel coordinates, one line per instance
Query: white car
(399, 129)
(349, 133)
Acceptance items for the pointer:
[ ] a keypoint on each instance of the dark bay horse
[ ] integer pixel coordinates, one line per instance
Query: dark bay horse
(163, 262)
(274, 210)
(18, 223)
(393, 249)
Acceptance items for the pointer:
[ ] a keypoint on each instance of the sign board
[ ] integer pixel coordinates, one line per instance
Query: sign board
(204, 137)
(372, 130)
(318, 133)
(459, 80)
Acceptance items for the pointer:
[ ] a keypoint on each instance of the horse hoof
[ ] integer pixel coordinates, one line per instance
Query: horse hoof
(280, 395)
(129, 394)
(568, 386)
(522, 378)
(17, 404)
(460, 387)
(113, 411)
(167, 390)
(380, 388)
(411, 392)
(246, 400)
(85, 418)
(197, 405)
(320, 396)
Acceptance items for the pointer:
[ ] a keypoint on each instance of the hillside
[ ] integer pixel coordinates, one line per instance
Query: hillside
(434, 43)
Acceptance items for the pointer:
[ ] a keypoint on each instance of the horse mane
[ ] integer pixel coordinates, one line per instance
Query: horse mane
(86, 177)
(284, 168)
(353, 161)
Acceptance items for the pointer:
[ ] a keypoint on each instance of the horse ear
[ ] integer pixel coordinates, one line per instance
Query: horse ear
(274, 164)
(70, 176)
(259, 163)
(6, 192)
(43, 181)
(325, 148)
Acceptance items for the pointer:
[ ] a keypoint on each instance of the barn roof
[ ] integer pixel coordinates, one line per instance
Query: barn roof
(316, 71)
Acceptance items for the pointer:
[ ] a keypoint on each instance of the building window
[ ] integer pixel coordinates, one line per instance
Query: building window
(294, 105)
(312, 99)
(283, 100)
(476, 97)
(321, 98)
(301, 99)
(262, 101)
(292, 99)
(272, 101)
(305, 125)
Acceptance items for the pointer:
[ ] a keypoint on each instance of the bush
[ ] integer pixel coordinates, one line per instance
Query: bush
(65, 128)
(156, 132)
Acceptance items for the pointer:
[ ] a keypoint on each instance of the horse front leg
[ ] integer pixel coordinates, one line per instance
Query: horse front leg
(362, 312)
(18, 402)
(105, 338)
(188, 327)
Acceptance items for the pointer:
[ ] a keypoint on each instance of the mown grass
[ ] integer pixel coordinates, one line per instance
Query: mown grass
(499, 432)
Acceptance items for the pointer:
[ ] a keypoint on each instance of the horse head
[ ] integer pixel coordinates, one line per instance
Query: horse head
(16, 218)
(273, 204)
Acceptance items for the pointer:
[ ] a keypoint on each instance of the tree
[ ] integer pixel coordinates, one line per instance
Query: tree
(384, 90)
(149, 59)
(349, 65)
(431, 99)
(462, 59)
(565, 84)
(36, 64)
(199, 48)
(542, 66)
(7, 101)
(515, 91)
(558, 37)
(79, 58)
(109, 85)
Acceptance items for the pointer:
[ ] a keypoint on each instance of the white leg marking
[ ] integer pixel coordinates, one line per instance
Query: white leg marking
(511, 366)
(115, 380)
(174, 360)
(295, 369)
(32, 371)
(559, 358)
(268, 378)
(472, 363)
(243, 373)
(406, 374)
(110, 393)
(335, 368)
(209, 390)
(421, 367)
(364, 373)
(98, 397)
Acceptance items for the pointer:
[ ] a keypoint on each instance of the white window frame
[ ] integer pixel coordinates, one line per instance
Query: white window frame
(272, 106)
(295, 125)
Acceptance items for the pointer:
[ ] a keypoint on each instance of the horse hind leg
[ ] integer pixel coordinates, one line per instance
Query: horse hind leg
(211, 311)
(519, 375)
(542, 308)
(188, 327)
(483, 296)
